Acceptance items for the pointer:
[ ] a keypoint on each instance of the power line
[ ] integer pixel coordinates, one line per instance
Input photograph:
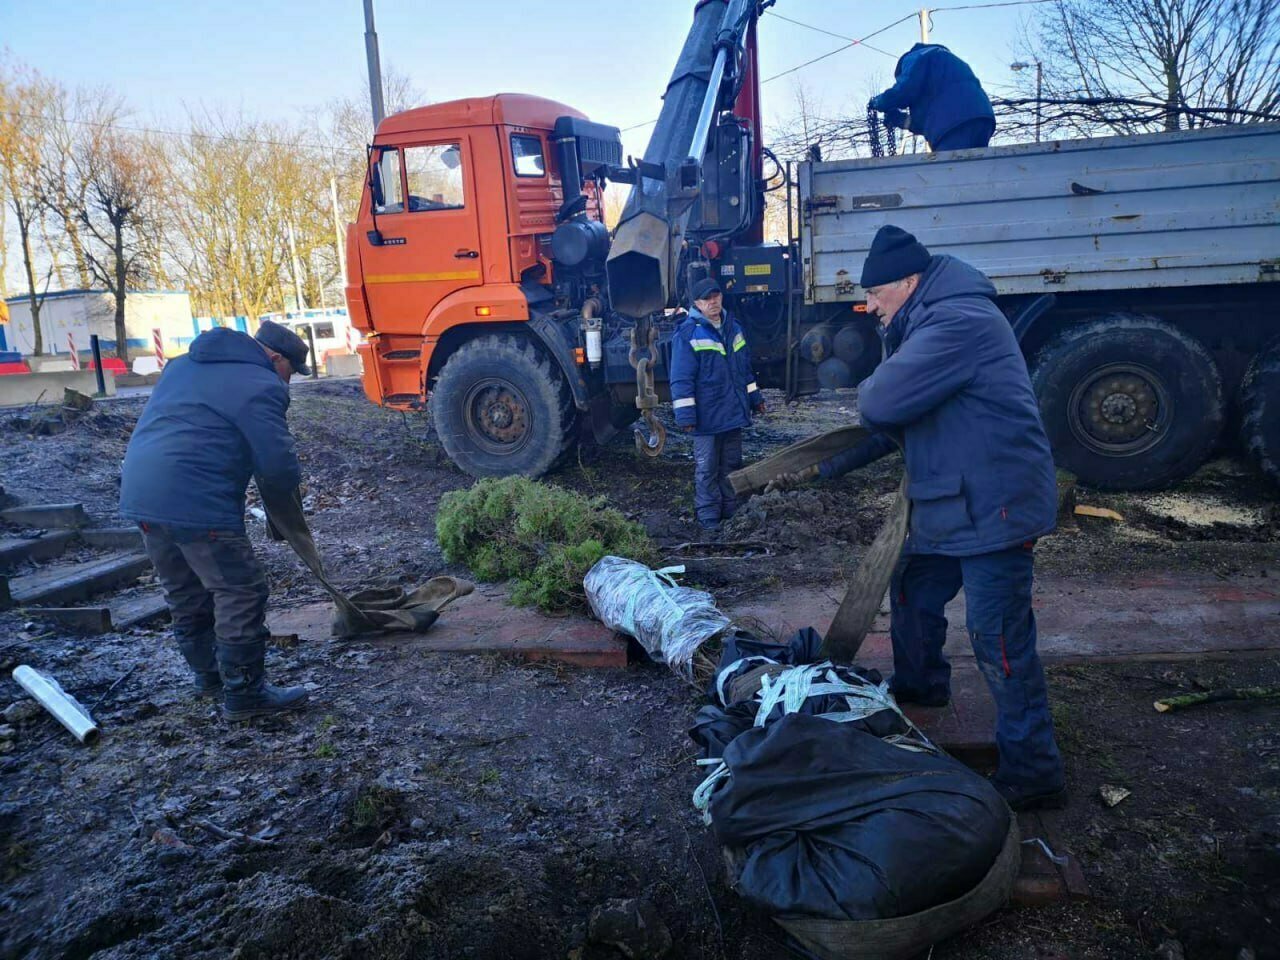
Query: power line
(861, 41)
(829, 33)
(988, 6)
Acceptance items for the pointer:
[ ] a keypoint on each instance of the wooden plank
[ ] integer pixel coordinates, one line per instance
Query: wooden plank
(19, 549)
(113, 538)
(69, 583)
(50, 515)
(86, 620)
(139, 610)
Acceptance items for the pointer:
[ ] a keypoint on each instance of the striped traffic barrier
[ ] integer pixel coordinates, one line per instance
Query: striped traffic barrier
(157, 341)
(75, 357)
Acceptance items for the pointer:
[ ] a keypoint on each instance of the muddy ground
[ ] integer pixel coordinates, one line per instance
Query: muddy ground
(443, 806)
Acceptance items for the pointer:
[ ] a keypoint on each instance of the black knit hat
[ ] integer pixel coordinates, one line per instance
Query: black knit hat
(894, 254)
(704, 288)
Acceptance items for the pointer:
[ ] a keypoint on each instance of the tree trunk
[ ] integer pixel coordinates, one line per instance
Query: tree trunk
(77, 251)
(122, 338)
(24, 233)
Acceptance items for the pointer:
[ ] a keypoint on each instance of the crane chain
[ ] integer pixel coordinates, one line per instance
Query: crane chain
(646, 396)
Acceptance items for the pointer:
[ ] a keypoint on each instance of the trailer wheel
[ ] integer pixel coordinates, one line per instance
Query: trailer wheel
(1129, 402)
(501, 407)
(1260, 410)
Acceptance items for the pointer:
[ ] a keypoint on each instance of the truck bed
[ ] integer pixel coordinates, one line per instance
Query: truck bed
(1151, 210)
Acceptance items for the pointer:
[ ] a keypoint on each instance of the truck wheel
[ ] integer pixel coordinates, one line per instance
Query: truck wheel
(1260, 410)
(500, 407)
(1129, 402)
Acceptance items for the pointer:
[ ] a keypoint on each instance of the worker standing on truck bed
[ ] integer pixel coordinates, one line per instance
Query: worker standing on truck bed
(945, 102)
(216, 418)
(713, 392)
(954, 390)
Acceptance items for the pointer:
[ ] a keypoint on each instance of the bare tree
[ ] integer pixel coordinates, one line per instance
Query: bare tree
(24, 98)
(1202, 61)
(119, 183)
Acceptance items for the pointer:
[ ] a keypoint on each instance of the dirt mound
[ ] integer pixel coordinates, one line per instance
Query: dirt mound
(802, 517)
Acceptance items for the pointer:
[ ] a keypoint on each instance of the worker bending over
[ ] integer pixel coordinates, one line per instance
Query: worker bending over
(713, 392)
(217, 417)
(953, 389)
(944, 101)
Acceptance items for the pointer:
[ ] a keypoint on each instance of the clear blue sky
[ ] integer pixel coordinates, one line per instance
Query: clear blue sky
(276, 60)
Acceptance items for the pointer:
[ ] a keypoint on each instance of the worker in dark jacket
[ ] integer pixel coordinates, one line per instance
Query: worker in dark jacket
(945, 102)
(713, 392)
(953, 389)
(215, 419)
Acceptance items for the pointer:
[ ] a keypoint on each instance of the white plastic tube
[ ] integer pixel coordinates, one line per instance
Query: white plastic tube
(64, 707)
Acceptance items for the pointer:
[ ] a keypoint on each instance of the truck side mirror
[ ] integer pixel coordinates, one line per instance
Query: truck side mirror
(375, 238)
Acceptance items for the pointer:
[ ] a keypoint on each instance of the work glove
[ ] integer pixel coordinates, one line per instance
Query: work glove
(897, 119)
(873, 103)
(790, 481)
(688, 428)
(760, 409)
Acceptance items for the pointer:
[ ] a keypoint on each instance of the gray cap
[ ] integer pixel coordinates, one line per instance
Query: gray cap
(284, 341)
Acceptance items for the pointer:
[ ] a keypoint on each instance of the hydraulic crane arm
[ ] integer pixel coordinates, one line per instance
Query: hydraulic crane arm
(713, 66)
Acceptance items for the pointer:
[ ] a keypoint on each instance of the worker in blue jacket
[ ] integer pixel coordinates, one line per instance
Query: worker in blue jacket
(945, 102)
(953, 390)
(215, 419)
(713, 392)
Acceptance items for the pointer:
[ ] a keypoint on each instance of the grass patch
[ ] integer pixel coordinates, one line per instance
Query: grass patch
(542, 538)
(326, 751)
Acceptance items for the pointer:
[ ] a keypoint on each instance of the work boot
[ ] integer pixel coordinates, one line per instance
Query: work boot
(932, 698)
(245, 691)
(1022, 798)
(208, 683)
(198, 652)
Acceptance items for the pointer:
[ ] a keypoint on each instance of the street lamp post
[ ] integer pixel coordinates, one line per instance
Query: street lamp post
(1021, 65)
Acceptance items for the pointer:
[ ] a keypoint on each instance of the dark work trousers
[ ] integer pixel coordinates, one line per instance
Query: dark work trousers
(1002, 629)
(715, 456)
(970, 134)
(215, 589)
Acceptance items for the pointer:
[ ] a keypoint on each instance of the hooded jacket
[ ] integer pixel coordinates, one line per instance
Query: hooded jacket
(955, 386)
(215, 419)
(713, 388)
(938, 89)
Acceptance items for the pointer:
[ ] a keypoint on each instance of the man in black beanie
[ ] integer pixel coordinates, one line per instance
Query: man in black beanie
(953, 391)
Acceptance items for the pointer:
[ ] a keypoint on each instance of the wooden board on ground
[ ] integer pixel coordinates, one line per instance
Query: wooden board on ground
(482, 623)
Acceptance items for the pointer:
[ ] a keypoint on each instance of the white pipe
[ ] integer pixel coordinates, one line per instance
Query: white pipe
(64, 707)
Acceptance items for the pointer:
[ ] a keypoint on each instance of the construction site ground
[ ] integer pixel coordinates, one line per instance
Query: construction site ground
(482, 805)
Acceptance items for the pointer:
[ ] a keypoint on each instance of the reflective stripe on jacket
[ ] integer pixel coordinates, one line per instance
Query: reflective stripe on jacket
(713, 388)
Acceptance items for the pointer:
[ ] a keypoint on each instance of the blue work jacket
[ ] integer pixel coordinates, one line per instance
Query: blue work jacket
(938, 88)
(215, 419)
(713, 388)
(954, 385)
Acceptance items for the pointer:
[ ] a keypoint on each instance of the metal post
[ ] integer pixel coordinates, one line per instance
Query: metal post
(375, 67)
(338, 239)
(96, 349)
(296, 267)
(924, 24)
(698, 145)
(315, 361)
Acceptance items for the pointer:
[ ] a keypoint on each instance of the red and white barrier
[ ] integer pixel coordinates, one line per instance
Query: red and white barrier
(75, 357)
(157, 341)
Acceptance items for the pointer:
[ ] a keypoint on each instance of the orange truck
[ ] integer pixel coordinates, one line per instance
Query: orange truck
(492, 295)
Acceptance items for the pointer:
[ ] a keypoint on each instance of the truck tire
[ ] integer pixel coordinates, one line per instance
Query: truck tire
(1129, 402)
(501, 407)
(1260, 410)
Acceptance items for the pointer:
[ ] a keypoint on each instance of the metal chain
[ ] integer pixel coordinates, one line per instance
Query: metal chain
(883, 141)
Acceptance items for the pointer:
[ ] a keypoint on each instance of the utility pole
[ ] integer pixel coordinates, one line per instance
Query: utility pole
(924, 24)
(299, 303)
(337, 231)
(375, 67)
(1022, 65)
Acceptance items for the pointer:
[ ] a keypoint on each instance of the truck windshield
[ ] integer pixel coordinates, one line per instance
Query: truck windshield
(434, 174)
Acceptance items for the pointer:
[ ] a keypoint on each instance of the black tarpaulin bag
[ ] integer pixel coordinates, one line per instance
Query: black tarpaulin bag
(827, 823)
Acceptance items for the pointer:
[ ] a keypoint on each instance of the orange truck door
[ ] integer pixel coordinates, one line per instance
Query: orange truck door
(425, 207)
